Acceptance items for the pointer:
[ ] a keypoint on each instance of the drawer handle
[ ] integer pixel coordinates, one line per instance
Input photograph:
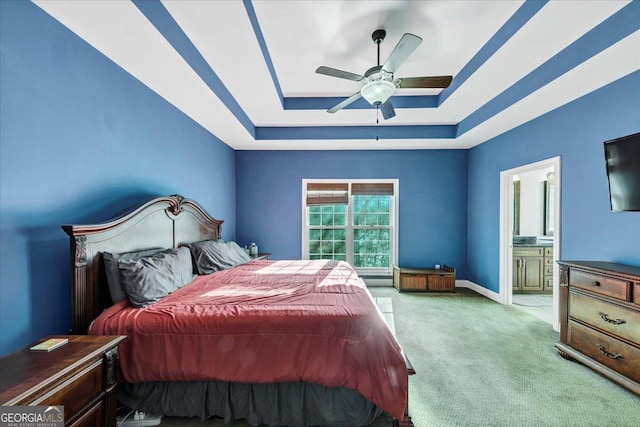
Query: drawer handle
(595, 283)
(612, 321)
(604, 351)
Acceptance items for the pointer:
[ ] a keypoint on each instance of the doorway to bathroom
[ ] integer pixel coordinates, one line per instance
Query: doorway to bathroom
(530, 238)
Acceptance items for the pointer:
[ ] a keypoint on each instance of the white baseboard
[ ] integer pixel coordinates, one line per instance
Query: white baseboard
(479, 289)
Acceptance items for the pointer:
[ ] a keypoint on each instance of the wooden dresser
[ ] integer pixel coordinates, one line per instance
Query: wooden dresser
(425, 279)
(80, 375)
(600, 318)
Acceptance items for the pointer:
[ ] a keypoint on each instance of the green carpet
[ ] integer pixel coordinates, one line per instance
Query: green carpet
(479, 363)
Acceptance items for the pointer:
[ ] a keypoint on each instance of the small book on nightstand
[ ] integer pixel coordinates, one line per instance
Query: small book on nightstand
(50, 344)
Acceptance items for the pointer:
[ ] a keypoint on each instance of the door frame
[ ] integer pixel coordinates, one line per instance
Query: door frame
(505, 295)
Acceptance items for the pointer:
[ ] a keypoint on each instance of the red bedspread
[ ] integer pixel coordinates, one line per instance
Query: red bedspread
(264, 322)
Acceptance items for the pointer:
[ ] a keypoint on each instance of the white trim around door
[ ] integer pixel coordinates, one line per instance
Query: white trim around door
(506, 230)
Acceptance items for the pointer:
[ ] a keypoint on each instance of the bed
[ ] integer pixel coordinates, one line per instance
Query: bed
(274, 342)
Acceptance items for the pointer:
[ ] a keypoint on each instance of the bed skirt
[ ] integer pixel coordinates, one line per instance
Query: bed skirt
(298, 404)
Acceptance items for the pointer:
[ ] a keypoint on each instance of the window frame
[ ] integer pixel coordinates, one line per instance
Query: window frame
(349, 228)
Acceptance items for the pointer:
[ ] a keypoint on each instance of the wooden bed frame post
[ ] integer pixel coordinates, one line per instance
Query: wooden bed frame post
(406, 420)
(79, 285)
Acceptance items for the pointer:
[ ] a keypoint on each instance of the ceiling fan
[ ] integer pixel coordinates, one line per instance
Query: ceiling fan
(379, 83)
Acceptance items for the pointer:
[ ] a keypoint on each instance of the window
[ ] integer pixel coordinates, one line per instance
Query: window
(353, 221)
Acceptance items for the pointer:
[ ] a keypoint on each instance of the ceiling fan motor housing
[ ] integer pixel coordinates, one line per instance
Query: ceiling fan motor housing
(377, 73)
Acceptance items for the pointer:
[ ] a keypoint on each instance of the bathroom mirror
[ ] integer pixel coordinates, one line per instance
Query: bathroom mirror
(516, 207)
(548, 205)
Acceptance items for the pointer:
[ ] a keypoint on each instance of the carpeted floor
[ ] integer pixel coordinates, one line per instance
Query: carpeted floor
(480, 363)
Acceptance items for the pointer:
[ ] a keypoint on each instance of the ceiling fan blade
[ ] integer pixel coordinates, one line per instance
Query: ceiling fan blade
(425, 82)
(339, 73)
(344, 103)
(387, 110)
(405, 47)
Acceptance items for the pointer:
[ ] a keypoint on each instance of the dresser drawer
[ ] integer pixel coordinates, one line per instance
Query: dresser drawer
(77, 392)
(548, 251)
(615, 319)
(615, 354)
(548, 270)
(636, 293)
(604, 285)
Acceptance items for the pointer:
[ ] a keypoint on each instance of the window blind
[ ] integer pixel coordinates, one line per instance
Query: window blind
(327, 193)
(372, 189)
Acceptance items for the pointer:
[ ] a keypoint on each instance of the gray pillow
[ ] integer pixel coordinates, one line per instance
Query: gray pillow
(148, 279)
(210, 256)
(113, 275)
(238, 254)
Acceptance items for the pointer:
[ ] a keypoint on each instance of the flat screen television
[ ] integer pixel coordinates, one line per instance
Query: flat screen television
(622, 156)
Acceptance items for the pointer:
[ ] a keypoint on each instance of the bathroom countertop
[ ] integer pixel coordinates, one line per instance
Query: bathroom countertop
(531, 241)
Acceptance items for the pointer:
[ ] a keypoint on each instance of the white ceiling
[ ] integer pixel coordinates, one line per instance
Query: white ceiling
(511, 61)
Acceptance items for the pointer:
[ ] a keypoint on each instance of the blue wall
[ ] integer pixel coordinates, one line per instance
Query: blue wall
(81, 141)
(433, 199)
(576, 132)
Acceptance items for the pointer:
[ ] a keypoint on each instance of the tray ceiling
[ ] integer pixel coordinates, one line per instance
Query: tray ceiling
(245, 70)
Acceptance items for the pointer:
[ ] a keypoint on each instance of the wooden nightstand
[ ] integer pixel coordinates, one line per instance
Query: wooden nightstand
(81, 375)
(264, 255)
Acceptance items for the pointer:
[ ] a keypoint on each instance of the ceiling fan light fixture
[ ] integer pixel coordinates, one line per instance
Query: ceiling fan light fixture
(378, 91)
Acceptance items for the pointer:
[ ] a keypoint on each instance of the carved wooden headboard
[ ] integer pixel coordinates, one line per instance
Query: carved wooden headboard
(164, 222)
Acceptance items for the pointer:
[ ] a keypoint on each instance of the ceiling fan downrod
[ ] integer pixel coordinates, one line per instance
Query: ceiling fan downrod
(377, 37)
